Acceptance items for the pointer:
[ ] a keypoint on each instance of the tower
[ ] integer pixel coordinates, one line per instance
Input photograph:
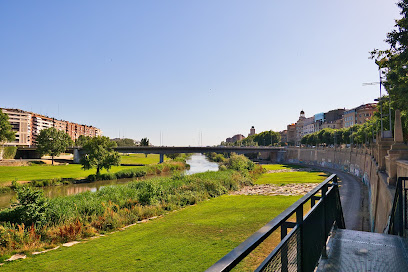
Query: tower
(251, 131)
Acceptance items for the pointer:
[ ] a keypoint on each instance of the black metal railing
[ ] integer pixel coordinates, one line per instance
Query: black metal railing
(397, 221)
(301, 248)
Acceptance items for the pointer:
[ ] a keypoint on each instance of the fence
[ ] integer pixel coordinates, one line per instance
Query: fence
(301, 248)
(398, 220)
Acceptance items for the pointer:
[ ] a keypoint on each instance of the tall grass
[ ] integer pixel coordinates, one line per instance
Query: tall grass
(112, 207)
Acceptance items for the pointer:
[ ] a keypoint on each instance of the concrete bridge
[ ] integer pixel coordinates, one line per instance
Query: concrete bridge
(273, 153)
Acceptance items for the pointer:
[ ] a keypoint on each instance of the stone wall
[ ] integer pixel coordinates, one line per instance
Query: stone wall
(362, 163)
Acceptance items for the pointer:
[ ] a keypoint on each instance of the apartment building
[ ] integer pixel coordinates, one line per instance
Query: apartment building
(365, 112)
(308, 126)
(28, 126)
(359, 115)
(20, 122)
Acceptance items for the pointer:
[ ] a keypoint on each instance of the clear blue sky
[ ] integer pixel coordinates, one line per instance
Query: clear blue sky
(138, 68)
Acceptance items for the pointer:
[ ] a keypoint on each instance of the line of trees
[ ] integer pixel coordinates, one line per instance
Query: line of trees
(265, 138)
(357, 134)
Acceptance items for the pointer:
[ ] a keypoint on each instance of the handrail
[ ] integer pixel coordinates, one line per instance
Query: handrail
(230, 260)
(397, 221)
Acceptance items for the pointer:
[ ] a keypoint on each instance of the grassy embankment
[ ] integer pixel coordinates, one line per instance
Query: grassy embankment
(282, 178)
(140, 158)
(72, 171)
(38, 222)
(188, 240)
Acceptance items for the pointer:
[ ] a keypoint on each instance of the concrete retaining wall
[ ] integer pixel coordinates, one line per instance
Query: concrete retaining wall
(361, 163)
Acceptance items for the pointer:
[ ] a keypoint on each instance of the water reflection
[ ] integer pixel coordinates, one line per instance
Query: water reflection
(198, 163)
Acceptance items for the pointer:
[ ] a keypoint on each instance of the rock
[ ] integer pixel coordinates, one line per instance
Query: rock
(16, 257)
(70, 243)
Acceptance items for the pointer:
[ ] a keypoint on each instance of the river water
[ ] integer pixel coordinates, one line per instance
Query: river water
(198, 163)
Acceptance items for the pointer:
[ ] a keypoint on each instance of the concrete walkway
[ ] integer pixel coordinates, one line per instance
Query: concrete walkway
(350, 250)
(354, 199)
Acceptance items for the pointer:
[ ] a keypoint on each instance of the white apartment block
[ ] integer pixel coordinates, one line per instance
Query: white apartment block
(20, 122)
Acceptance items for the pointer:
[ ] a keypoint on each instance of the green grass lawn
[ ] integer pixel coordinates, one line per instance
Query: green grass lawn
(141, 158)
(191, 239)
(281, 166)
(28, 173)
(282, 178)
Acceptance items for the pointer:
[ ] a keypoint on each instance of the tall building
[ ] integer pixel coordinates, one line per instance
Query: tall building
(20, 122)
(27, 126)
(291, 134)
(251, 131)
(299, 127)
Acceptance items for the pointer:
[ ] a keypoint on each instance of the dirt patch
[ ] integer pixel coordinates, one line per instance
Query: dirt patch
(290, 170)
(271, 189)
(14, 163)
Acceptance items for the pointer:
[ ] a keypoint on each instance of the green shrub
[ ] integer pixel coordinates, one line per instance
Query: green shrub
(239, 163)
(9, 152)
(31, 207)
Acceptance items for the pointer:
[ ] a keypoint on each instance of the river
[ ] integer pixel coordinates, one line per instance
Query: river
(198, 163)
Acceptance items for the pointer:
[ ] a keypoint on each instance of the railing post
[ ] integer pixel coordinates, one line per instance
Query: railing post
(284, 252)
(324, 191)
(299, 223)
(400, 206)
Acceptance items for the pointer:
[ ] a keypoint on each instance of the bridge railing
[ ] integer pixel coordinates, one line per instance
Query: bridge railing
(301, 248)
(398, 219)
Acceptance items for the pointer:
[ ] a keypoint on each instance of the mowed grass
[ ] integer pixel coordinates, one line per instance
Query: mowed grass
(191, 239)
(140, 158)
(28, 173)
(282, 178)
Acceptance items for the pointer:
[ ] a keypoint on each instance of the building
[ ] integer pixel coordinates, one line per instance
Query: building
(20, 122)
(333, 115)
(291, 134)
(235, 138)
(349, 118)
(365, 112)
(28, 125)
(337, 124)
(359, 115)
(299, 127)
(318, 121)
(308, 126)
(251, 131)
(284, 136)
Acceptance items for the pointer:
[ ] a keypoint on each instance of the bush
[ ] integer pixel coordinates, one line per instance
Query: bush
(9, 152)
(239, 163)
(32, 206)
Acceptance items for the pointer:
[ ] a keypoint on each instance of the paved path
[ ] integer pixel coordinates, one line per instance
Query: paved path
(354, 200)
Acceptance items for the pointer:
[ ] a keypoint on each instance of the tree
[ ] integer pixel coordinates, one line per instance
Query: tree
(393, 63)
(125, 142)
(100, 154)
(52, 142)
(82, 140)
(173, 156)
(6, 134)
(144, 142)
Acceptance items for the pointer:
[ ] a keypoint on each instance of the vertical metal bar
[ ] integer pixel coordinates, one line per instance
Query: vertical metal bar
(284, 250)
(324, 191)
(299, 223)
(312, 201)
(405, 208)
(400, 207)
(335, 180)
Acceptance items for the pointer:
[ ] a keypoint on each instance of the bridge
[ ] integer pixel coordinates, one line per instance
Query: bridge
(273, 153)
